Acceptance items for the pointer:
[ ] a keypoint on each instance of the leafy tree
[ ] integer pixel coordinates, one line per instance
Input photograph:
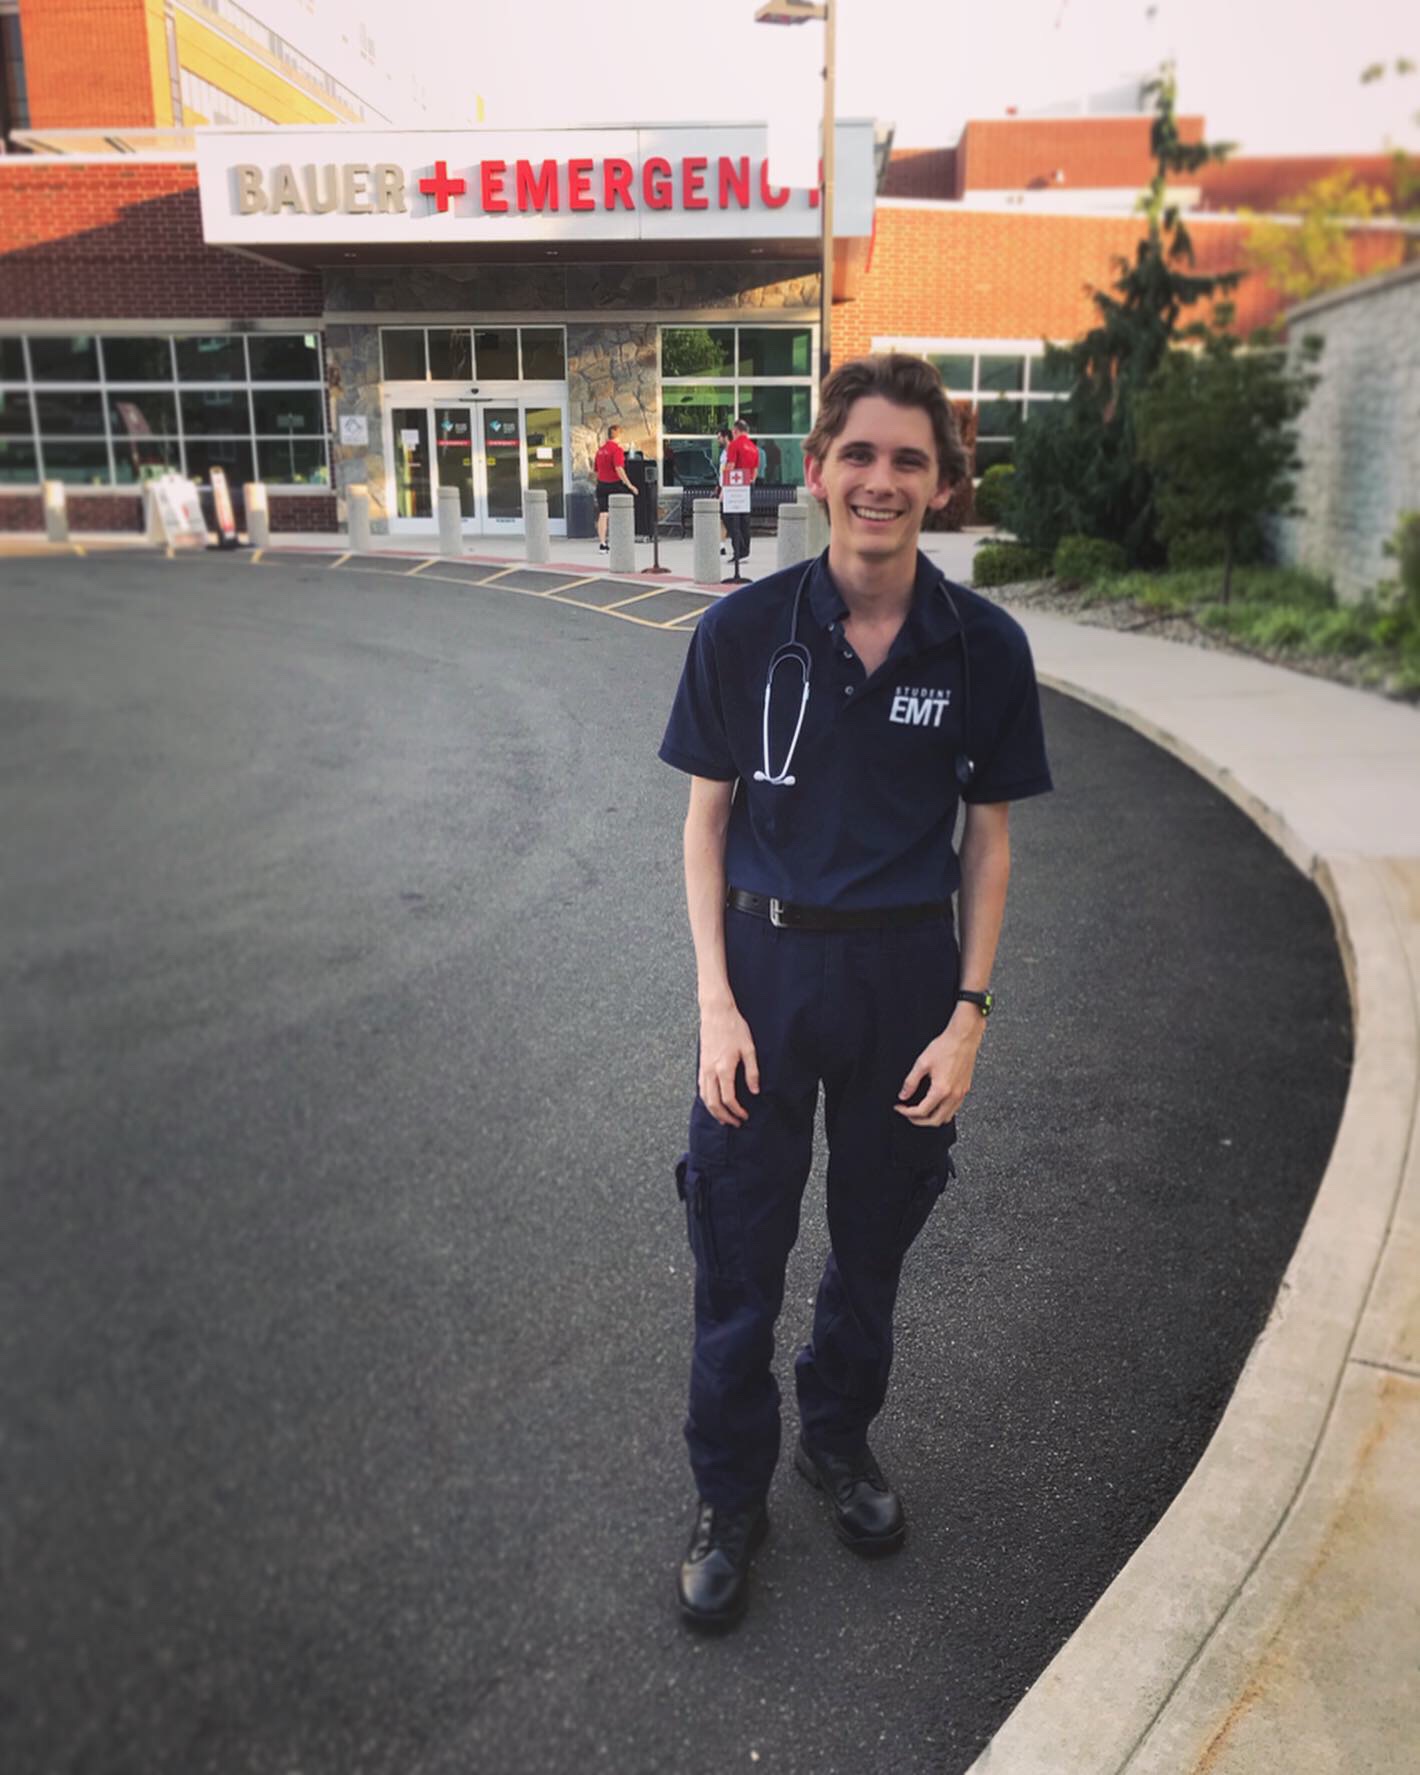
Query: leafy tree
(1078, 470)
(1217, 427)
(1405, 166)
(1318, 254)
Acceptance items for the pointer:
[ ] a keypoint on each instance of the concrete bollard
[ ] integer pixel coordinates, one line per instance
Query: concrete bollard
(450, 522)
(258, 518)
(793, 539)
(535, 530)
(357, 504)
(706, 524)
(818, 523)
(621, 533)
(56, 512)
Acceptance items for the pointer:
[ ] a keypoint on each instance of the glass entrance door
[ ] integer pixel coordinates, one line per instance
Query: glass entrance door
(489, 450)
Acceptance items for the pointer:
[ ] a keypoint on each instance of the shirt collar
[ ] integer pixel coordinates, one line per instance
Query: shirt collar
(930, 620)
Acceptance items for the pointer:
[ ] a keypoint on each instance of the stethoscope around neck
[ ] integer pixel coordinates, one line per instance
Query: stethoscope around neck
(793, 650)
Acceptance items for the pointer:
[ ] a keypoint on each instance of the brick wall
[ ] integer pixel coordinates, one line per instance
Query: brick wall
(111, 241)
(302, 511)
(969, 274)
(88, 511)
(87, 63)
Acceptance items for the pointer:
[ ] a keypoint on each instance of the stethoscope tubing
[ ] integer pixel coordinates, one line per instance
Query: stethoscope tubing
(794, 649)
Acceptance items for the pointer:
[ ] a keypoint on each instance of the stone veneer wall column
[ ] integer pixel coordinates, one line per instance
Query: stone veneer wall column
(352, 367)
(613, 378)
(1360, 434)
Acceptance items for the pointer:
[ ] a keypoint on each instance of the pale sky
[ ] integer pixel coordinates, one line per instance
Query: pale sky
(1276, 76)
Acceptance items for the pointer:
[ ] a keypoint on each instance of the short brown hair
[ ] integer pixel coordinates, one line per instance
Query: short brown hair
(907, 382)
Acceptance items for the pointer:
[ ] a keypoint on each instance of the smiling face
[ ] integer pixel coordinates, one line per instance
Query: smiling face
(879, 478)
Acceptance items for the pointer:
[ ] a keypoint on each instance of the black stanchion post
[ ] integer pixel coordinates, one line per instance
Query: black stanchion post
(652, 475)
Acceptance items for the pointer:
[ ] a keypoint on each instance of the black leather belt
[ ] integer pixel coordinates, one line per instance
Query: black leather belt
(787, 916)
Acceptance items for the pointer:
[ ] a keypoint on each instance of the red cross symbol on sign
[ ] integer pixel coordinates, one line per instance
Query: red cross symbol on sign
(441, 187)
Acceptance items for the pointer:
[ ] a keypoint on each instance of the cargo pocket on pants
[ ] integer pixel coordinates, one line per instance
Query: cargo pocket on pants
(712, 1219)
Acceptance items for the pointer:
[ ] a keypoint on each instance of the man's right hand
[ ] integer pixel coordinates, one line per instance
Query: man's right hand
(725, 1045)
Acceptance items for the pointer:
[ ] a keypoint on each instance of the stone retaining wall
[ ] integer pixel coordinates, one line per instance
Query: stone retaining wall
(1360, 434)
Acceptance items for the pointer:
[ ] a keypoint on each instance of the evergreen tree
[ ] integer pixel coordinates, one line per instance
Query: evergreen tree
(1078, 470)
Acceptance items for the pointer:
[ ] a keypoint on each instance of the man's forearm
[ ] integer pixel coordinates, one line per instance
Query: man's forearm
(705, 900)
(985, 873)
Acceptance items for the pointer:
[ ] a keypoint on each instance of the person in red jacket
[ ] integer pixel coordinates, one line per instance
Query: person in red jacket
(611, 478)
(741, 467)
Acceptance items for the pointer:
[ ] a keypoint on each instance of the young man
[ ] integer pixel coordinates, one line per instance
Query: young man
(724, 437)
(819, 875)
(611, 478)
(742, 458)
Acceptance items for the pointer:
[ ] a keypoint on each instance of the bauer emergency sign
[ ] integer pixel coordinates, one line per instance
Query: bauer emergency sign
(356, 187)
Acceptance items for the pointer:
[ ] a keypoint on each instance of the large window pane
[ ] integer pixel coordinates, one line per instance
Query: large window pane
(83, 464)
(544, 355)
(12, 360)
(73, 359)
(997, 419)
(139, 458)
(775, 351)
(781, 460)
(284, 357)
(218, 357)
(134, 412)
(297, 410)
(215, 410)
(450, 354)
(1047, 380)
(138, 359)
(690, 462)
(775, 409)
(954, 371)
(69, 414)
(696, 408)
(1005, 374)
(495, 353)
(296, 461)
(17, 461)
(403, 351)
(231, 455)
(697, 351)
(15, 420)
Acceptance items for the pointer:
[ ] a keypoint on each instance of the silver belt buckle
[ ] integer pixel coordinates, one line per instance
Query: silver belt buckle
(776, 914)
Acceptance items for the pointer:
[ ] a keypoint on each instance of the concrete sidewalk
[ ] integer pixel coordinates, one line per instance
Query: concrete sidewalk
(1271, 1621)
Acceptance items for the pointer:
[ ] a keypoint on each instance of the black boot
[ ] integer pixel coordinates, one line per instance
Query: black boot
(867, 1513)
(714, 1575)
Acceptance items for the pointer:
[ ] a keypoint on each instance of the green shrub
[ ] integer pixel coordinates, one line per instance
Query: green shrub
(1081, 560)
(1194, 549)
(992, 492)
(1005, 563)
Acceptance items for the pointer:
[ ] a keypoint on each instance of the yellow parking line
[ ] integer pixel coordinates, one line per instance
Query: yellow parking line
(256, 555)
(80, 550)
(340, 560)
(429, 562)
(569, 585)
(621, 603)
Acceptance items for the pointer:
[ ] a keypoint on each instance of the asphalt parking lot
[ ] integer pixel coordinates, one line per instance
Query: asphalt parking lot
(346, 1051)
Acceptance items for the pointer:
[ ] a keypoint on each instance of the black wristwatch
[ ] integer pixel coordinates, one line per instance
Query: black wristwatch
(982, 1000)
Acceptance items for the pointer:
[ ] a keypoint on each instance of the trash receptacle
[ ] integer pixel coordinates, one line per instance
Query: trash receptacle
(581, 513)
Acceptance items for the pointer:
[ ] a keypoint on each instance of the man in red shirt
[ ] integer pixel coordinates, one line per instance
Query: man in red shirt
(741, 467)
(611, 478)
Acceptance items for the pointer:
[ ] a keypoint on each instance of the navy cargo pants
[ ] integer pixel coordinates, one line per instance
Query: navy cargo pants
(852, 1009)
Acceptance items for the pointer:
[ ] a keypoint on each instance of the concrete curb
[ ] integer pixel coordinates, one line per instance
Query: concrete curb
(1182, 1644)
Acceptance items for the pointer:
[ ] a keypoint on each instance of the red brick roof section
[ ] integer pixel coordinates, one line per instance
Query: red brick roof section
(1255, 183)
(1093, 153)
(112, 241)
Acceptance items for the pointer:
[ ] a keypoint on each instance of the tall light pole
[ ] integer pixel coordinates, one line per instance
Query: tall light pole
(802, 12)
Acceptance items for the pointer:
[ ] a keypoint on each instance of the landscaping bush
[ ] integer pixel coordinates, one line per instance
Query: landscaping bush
(1081, 560)
(992, 492)
(1007, 563)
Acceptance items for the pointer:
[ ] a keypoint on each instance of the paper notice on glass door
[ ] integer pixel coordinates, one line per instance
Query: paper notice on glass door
(410, 439)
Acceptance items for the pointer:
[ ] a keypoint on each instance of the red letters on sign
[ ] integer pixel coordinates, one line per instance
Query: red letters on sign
(770, 198)
(579, 185)
(441, 187)
(537, 191)
(734, 176)
(692, 182)
(616, 179)
(490, 186)
(657, 186)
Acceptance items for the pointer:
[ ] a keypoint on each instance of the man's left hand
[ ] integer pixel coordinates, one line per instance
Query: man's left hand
(947, 1065)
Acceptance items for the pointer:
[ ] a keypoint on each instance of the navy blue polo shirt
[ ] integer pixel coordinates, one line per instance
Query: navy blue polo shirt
(869, 819)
